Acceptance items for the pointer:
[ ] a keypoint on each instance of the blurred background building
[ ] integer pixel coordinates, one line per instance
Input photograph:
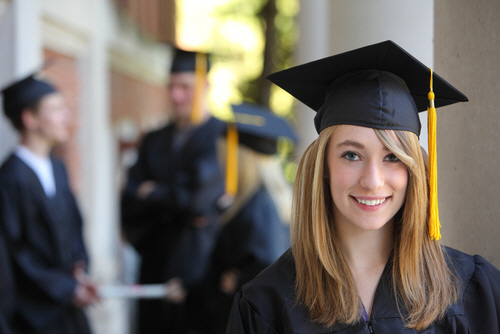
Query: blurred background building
(111, 59)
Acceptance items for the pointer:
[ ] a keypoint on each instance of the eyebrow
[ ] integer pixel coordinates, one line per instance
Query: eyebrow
(351, 143)
(355, 144)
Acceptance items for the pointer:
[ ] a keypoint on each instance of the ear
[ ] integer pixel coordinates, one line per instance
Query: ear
(29, 119)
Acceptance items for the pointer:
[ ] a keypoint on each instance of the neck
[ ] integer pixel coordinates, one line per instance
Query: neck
(367, 253)
(369, 249)
(37, 145)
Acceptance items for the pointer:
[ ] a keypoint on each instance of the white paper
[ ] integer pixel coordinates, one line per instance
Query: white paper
(134, 291)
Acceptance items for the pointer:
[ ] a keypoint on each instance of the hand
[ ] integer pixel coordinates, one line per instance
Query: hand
(229, 281)
(145, 189)
(199, 222)
(85, 295)
(85, 291)
(175, 291)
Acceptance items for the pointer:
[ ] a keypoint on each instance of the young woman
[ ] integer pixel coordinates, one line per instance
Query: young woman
(255, 227)
(40, 217)
(365, 256)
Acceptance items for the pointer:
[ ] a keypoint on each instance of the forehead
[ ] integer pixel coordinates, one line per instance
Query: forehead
(182, 78)
(55, 97)
(364, 136)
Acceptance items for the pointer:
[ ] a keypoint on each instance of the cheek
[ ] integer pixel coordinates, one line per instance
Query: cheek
(400, 182)
(340, 182)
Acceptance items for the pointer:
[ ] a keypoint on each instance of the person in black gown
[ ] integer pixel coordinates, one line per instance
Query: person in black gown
(169, 204)
(366, 255)
(255, 227)
(40, 217)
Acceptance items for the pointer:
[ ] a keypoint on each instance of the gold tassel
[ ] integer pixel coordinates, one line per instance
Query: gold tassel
(199, 88)
(434, 225)
(232, 160)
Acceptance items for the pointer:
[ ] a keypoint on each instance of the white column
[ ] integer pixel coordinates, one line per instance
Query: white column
(20, 54)
(99, 189)
(313, 21)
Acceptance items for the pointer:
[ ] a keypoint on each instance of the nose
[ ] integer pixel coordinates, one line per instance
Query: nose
(372, 177)
(176, 94)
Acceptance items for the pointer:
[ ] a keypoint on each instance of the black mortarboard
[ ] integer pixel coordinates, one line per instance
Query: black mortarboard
(378, 86)
(24, 93)
(259, 128)
(185, 61)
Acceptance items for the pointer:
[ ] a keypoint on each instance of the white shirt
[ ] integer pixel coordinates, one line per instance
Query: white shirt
(41, 166)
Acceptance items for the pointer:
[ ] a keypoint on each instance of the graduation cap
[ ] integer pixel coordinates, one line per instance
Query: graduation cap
(24, 93)
(257, 128)
(197, 62)
(185, 61)
(378, 86)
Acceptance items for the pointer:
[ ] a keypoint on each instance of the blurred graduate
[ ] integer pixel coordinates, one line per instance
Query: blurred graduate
(255, 225)
(169, 205)
(40, 217)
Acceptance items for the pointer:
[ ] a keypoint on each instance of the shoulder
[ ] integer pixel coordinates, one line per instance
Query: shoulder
(461, 264)
(470, 267)
(158, 133)
(269, 300)
(13, 170)
(212, 127)
(274, 286)
(480, 291)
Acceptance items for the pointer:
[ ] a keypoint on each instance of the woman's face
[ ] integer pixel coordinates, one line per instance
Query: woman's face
(367, 181)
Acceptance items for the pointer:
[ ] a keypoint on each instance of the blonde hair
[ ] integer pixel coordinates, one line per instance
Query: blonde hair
(423, 284)
(255, 170)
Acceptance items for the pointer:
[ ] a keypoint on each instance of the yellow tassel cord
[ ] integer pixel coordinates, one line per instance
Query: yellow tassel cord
(232, 160)
(199, 88)
(434, 225)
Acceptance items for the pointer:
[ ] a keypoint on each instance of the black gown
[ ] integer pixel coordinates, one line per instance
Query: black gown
(267, 304)
(189, 182)
(252, 240)
(45, 242)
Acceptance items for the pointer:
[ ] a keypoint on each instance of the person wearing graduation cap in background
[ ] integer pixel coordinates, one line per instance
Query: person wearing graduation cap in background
(366, 255)
(255, 227)
(169, 206)
(40, 218)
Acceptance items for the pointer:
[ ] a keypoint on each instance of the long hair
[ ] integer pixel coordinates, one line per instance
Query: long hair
(255, 170)
(424, 286)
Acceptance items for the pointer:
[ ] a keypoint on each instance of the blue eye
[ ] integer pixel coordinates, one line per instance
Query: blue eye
(392, 158)
(350, 156)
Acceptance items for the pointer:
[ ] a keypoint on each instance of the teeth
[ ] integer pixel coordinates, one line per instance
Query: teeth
(372, 202)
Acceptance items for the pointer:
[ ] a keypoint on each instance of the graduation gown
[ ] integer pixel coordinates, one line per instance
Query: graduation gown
(252, 240)
(45, 243)
(267, 304)
(189, 183)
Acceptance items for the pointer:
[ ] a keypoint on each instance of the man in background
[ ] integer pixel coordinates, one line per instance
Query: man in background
(40, 217)
(169, 203)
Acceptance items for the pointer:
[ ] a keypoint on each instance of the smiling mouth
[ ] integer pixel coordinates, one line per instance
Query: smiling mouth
(371, 202)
